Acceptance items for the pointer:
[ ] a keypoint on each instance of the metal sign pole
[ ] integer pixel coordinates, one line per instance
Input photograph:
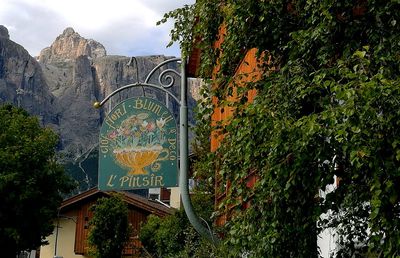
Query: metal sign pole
(184, 162)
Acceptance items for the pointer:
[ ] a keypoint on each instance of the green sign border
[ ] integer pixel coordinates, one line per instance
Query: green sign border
(138, 146)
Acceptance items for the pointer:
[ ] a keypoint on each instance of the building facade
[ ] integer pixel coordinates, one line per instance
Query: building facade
(69, 239)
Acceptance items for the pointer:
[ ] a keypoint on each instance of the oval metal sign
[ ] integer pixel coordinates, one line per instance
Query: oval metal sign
(138, 146)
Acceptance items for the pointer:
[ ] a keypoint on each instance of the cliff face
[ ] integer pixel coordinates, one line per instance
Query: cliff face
(22, 81)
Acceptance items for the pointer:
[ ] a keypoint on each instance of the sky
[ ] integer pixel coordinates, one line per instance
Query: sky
(124, 27)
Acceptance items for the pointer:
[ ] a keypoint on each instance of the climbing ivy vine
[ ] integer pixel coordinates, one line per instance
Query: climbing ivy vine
(328, 105)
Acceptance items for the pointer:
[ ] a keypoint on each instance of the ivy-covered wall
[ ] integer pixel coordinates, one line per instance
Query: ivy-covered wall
(328, 104)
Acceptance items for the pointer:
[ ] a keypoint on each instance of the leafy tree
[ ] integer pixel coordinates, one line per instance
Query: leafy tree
(109, 227)
(327, 104)
(173, 236)
(31, 181)
(164, 236)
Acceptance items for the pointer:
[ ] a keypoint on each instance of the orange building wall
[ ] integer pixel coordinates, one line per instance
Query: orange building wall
(247, 71)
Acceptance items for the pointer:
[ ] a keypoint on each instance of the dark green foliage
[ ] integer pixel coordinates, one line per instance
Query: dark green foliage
(109, 227)
(330, 106)
(164, 236)
(203, 171)
(31, 182)
(173, 236)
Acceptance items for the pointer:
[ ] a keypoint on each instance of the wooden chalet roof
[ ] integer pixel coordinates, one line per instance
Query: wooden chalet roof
(130, 198)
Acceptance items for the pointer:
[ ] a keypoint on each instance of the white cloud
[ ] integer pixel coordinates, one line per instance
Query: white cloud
(124, 27)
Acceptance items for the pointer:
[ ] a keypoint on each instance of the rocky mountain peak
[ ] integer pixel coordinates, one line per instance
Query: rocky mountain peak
(4, 32)
(69, 46)
(68, 32)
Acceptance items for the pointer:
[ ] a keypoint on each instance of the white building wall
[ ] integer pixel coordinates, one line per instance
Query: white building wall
(326, 243)
(326, 240)
(175, 198)
(65, 241)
